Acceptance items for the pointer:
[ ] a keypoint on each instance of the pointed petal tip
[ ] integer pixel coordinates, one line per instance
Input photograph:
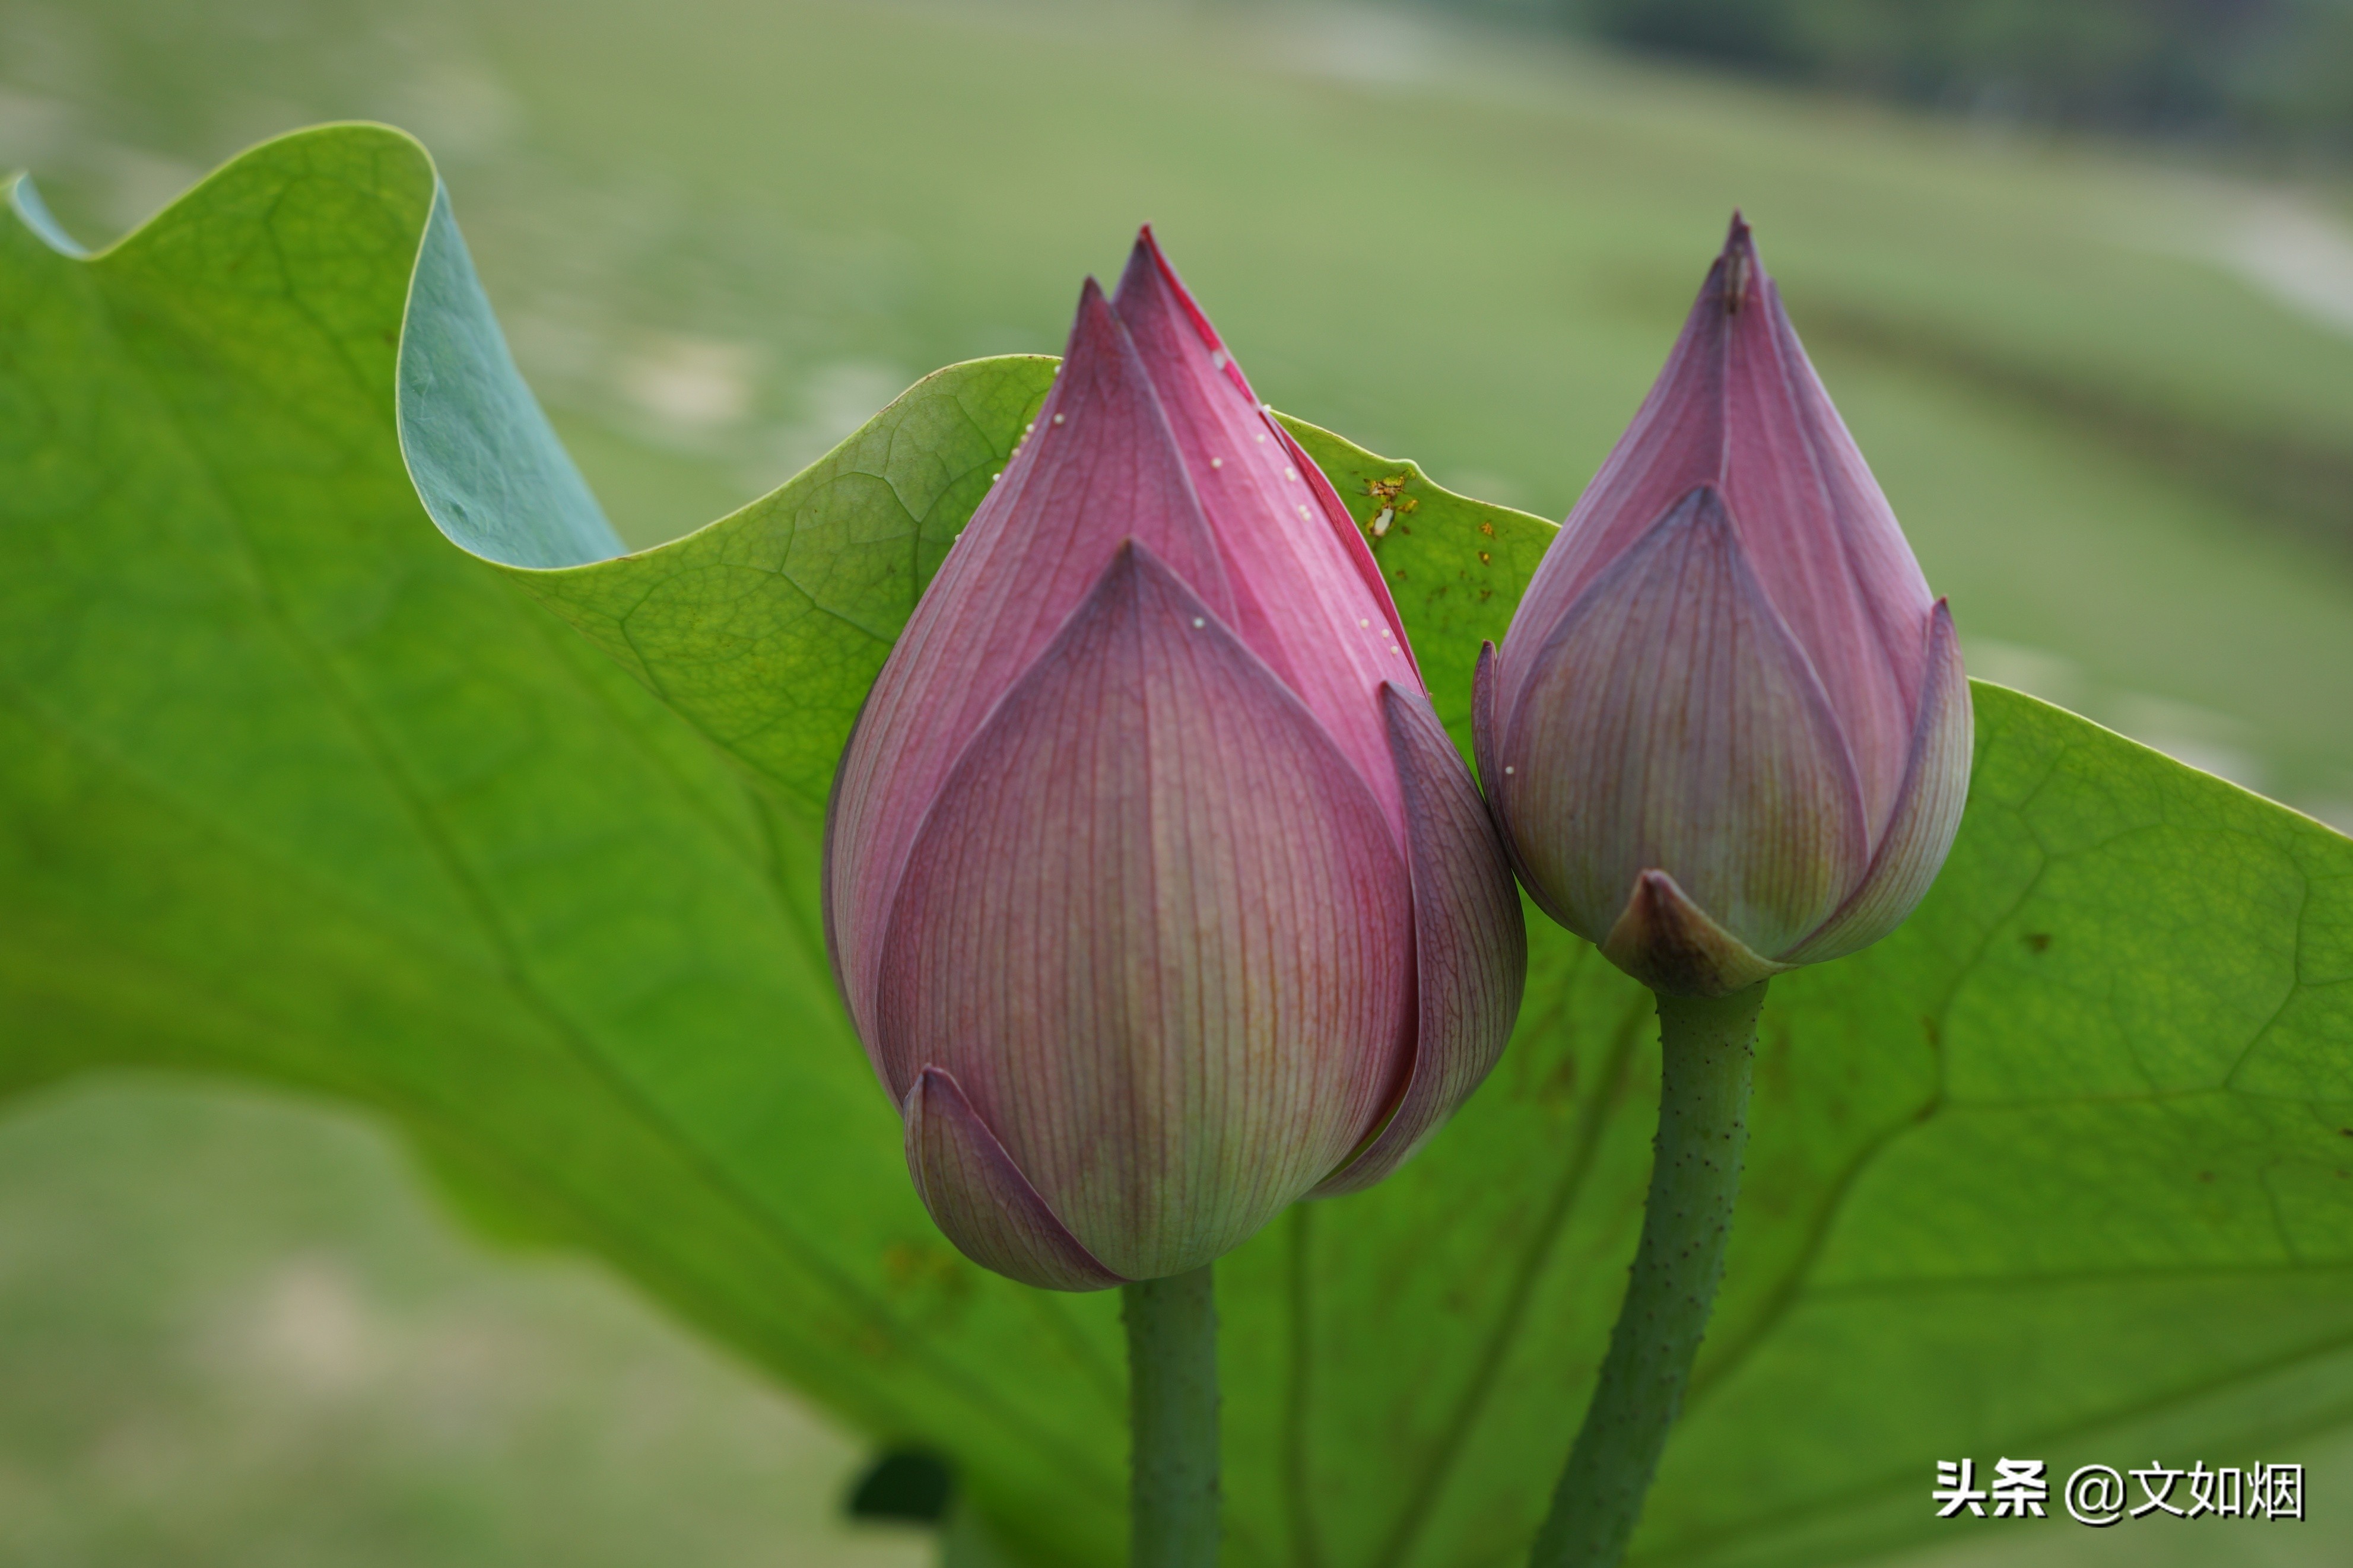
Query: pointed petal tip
(1091, 325)
(1134, 563)
(1150, 273)
(1672, 946)
(1703, 508)
(1737, 275)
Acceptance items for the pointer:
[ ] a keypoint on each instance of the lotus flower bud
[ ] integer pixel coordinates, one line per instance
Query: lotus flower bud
(1157, 893)
(1728, 732)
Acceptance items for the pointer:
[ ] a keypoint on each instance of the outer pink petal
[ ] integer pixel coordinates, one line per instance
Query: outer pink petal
(1308, 598)
(980, 1198)
(1928, 810)
(1822, 538)
(1158, 930)
(1100, 468)
(1487, 742)
(1471, 946)
(1671, 723)
(1739, 407)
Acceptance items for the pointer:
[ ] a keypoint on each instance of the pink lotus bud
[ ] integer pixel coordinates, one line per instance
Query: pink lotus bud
(1728, 733)
(1157, 893)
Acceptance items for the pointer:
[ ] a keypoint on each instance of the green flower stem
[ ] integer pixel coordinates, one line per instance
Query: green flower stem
(1707, 1048)
(1172, 1359)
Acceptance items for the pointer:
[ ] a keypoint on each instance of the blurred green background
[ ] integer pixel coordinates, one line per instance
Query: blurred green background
(2264, 75)
(2108, 386)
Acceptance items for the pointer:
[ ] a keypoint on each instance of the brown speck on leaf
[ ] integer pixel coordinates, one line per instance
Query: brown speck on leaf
(1488, 529)
(2037, 941)
(1936, 1036)
(1560, 1087)
(1484, 558)
(910, 1268)
(2205, 1175)
(1485, 595)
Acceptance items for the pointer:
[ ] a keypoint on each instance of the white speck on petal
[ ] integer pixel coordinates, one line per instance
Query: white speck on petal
(1217, 360)
(1217, 462)
(1199, 622)
(1261, 435)
(1303, 511)
(1290, 474)
(994, 477)
(1364, 623)
(1027, 428)
(1058, 420)
(1511, 770)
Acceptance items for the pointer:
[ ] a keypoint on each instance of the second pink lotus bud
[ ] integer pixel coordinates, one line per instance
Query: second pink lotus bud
(1728, 733)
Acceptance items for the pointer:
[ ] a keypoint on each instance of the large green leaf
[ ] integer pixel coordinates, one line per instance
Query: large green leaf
(290, 787)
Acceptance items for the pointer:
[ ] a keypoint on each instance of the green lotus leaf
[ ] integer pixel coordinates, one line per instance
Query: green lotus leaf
(513, 839)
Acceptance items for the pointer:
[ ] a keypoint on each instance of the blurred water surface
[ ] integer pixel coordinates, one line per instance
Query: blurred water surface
(2111, 398)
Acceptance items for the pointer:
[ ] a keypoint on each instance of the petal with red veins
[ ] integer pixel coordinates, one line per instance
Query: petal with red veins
(1471, 946)
(980, 1198)
(1307, 596)
(1738, 407)
(1672, 722)
(1100, 466)
(1158, 929)
(1823, 540)
(1487, 745)
(1927, 810)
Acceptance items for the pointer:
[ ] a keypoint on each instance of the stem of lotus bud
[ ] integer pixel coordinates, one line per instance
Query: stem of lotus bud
(1707, 1051)
(1172, 1364)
